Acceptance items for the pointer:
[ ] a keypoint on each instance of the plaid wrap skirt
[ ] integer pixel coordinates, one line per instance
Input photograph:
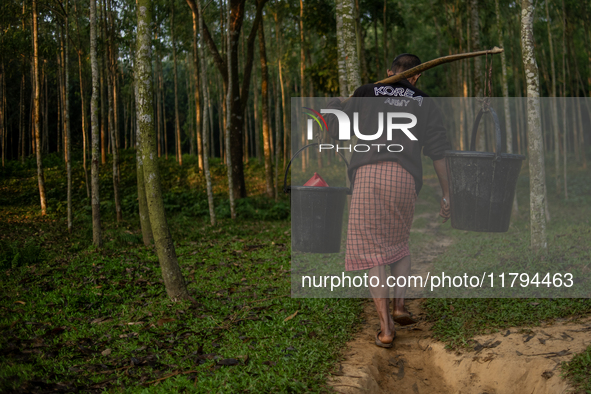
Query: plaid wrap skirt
(380, 216)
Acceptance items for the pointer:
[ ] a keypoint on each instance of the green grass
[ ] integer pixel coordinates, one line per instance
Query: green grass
(65, 307)
(578, 371)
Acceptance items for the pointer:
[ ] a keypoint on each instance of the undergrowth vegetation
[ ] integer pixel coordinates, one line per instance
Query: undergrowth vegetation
(74, 318)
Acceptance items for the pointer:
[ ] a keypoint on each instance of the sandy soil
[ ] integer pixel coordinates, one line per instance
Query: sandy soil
(518, 360)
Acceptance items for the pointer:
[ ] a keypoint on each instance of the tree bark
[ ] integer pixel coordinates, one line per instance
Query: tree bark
(342, 56)
(508, 129)
(265, 103)
(206, 109)
(68, 144)
(177, 126)
(171, 272)
(349, 37)
(534, 131)
(94, 120)
(257, 128)
(281, 99)
(478, 89)
(196, 68)
(83, 110)
(37, 126)
(553, 105)
(145, 226)
(231, 154)
(564, 76)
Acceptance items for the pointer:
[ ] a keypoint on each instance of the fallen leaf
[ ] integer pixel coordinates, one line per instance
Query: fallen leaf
(131, 334)
(161, 322)
(106, 352)
(20, 302)
(270, 363)
(228, 362)
(291, 316)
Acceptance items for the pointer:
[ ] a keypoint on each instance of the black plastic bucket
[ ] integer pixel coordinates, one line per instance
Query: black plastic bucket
(316, 215)
(482, 184)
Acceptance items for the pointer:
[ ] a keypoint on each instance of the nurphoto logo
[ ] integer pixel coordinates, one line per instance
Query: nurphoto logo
(391, 120)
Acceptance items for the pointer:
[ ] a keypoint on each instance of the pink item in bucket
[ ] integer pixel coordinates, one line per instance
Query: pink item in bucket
(316, 181)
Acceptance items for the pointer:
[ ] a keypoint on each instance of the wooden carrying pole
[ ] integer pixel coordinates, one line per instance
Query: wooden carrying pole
(432, 63)
(436, 62)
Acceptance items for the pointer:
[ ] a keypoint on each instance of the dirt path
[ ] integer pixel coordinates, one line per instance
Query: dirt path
(518, 360)
(514, 361)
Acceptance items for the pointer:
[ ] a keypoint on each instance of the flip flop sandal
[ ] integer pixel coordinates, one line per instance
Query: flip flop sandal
(404, 319)
(382, 344)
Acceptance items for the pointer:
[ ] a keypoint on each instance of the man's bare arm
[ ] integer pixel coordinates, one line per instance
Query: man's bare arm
(441, 171)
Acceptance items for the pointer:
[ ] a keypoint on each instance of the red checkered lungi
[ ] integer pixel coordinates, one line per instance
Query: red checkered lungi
(380, 217)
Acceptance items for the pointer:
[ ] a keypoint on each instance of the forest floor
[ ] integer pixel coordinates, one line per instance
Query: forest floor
(74, 318)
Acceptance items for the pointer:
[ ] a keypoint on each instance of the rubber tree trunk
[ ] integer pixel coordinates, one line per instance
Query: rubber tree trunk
(196, 55)
(177, 126)
(342, 56)
(231, 155)
(348, 35)
(171, 272)
(535, 145)
(257, 127)
(111, 75)
(478, 88)
(345, 10)
(84, 133)
(68, 144)
(206, 110)
(286, 119)
(145, 226)
(37, 125)
(265, 104)
(508, 130)
(95, 131)
(564, 109)
(554, 105)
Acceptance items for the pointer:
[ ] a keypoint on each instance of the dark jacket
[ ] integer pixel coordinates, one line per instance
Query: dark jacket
(400, 97)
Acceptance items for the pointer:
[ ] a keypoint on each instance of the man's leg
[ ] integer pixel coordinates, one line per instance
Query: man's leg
(382, 301)
(400, 268)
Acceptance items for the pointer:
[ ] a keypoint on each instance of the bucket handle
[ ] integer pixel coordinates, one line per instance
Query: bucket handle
(499, 148)
(285, 187)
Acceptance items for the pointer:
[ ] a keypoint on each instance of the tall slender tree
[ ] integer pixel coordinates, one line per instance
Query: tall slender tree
(265, 105)
(177, 125)
(82, 105)
(206, 111)
(68, 139)
(534, 131)
(171, 272)
(554, 102)
(37, 125)
(507, 108)
(95, 132)
(230, 155)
